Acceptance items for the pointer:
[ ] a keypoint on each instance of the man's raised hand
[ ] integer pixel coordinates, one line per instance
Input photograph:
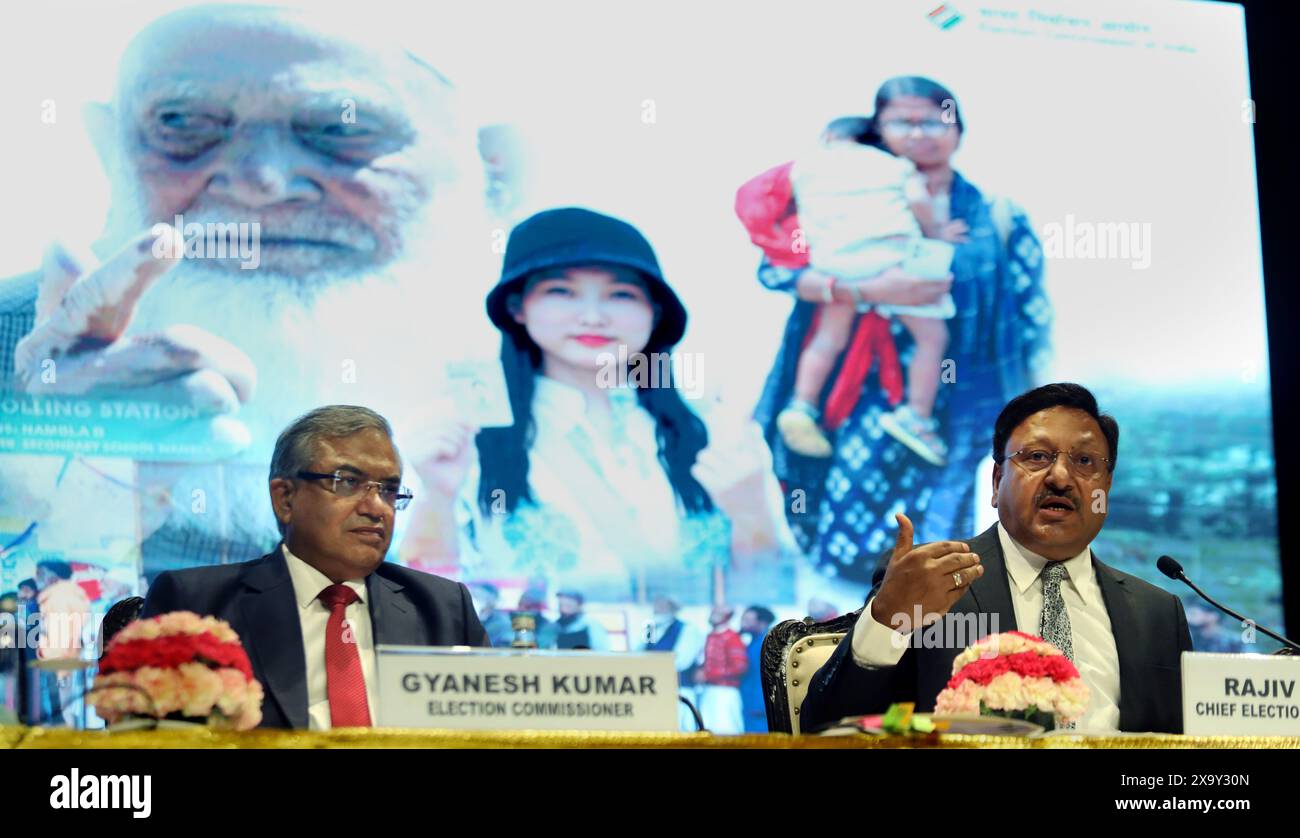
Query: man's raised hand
(928, 579)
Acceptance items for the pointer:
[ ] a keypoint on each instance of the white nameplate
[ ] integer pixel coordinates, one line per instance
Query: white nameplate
(1240, 695)
(506, 689)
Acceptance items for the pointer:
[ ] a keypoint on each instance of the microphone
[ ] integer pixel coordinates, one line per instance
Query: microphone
(1171, 568)
(695, 713)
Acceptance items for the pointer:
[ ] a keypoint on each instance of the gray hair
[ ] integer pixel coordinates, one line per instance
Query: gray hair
(296, 445)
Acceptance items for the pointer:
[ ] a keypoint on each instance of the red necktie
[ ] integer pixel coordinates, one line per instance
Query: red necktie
(344, 682)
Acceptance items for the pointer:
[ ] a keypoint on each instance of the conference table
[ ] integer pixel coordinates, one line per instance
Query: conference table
(16, 737)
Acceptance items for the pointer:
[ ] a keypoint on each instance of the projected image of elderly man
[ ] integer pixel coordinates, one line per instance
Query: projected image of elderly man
(277, 179)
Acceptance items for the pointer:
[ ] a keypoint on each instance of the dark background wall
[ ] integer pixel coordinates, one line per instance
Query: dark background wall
(1274, 54)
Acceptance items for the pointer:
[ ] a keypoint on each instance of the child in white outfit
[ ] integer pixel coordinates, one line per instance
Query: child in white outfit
(862, 210)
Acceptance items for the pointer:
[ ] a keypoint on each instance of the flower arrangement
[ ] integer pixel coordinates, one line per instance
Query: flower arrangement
(178, 665)
(1014, 675)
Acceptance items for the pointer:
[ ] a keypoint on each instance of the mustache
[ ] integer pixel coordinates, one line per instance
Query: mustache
(315, 225)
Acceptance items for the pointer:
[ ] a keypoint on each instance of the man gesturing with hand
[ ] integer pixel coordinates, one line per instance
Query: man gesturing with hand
(1034, 571)
(925, 581)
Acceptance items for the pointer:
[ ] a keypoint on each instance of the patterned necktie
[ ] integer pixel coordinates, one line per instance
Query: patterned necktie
(1054, 623)
(344, 681)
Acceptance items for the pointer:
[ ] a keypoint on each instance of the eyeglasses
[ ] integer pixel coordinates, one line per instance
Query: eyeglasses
(1082, 463)
(347, 485)
(899, 128)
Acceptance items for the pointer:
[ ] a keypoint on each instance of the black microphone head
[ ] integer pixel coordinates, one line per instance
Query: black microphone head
(1169, 567)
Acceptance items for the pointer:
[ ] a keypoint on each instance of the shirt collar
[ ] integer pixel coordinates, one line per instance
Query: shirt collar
(1024, 566)
(560, 400)
(566, 402)
(308, 582)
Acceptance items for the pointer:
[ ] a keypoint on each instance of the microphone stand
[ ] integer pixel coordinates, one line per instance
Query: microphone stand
(1291, 647)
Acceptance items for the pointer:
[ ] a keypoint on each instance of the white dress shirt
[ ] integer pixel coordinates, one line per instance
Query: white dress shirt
(1095, 656)
(313, 616)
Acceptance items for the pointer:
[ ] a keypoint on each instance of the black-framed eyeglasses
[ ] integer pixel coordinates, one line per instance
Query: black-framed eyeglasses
(347, 485)
(932, 128)
(1082, 463)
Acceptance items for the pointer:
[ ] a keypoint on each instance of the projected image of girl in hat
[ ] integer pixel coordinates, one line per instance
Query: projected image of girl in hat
(607, 482)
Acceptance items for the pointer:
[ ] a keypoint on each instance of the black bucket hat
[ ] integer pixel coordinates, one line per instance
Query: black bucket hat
(572, 236)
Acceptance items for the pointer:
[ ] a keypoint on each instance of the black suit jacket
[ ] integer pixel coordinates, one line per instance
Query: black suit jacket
(1148, 623)
(407, 607)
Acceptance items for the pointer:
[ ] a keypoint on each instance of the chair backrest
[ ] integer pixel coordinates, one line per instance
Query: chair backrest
(117, 618)
(792, 653)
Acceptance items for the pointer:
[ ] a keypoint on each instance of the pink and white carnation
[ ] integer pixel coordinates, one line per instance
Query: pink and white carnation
(963, 700)
(1014, 674)
(178, 663)
(1006, 643)
(177, 622)
(1006, 692)
(163, 687)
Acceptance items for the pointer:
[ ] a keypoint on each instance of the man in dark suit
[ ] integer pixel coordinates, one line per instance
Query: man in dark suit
(1034, 571)
(311, 612)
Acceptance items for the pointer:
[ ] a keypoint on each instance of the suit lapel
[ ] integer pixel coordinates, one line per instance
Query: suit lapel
(992, 591)
(392, 617)
(271, 612)
(1119, 605)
